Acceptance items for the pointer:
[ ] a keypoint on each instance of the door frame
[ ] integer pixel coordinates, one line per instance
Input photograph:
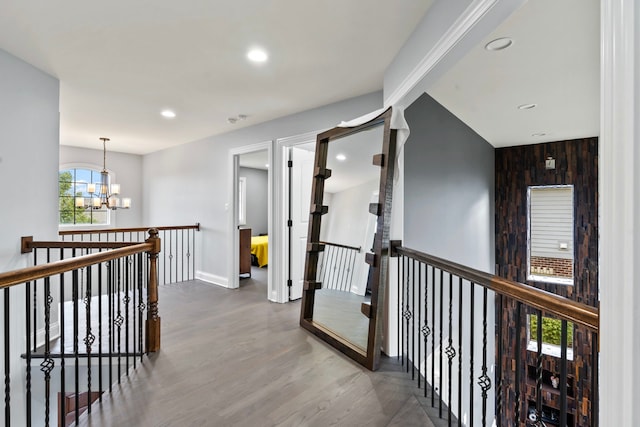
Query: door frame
(233, 243)
(281, 208)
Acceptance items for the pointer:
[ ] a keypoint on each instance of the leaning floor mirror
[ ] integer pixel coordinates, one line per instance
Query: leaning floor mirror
(348, 240)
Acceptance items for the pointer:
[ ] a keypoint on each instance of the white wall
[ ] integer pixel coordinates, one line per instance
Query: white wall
(257, 199)
(189, 183)
(29, 140)
(126, 170)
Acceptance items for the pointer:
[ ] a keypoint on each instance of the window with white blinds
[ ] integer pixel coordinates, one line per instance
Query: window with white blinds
(551, 226)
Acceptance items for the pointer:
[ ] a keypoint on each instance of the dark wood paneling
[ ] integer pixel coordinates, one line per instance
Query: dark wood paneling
(517, 168)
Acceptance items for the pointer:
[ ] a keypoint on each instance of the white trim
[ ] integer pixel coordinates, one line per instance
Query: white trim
(54, 332)
(232, 217)
(465, 22)
(212, 278)
(619, 264)
(280, 205)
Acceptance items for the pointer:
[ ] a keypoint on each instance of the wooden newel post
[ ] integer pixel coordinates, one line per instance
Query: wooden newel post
(153, 320)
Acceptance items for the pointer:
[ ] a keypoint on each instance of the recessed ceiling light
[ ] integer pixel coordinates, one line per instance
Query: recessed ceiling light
(168, 114)
(257, 55)
(499, 44)
(527, 106)
(267, 165)
(341, 157)
(539, 134)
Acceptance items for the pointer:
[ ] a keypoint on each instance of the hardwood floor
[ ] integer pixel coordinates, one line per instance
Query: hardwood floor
(231, 358)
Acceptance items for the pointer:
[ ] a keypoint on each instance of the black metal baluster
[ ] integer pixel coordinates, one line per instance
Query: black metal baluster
(412, 317)
(28, 352)
(126, 301)
(518, 376)
(539, 366)
(407, 314)
(563, 373)
(76, 346)
(110, 283)
(419, 319)
(433, 338)
(142, 264)
(47, 364)
(399, 308)
(499, 380)
(472, 305)
(450, 351)
(182, 253)
(35, 304)
(484, 380)
(133, 314)
(7, 359)
(100, 350)
(119, 319)
(89, 337)
(460, 351)
(62, 406)
(188, 255)
(426, 331)
(170, 256)
(340, 269)
(440, 370)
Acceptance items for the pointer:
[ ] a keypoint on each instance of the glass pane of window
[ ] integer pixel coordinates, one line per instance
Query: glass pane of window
(551, 225)
(72, 184)
(551, 336)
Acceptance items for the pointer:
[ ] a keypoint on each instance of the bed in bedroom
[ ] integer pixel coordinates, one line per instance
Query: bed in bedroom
(260, 249)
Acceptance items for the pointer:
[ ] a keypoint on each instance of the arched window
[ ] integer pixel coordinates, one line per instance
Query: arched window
(72, 183)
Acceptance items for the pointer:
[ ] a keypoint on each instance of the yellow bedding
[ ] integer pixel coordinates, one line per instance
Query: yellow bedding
(260, 248)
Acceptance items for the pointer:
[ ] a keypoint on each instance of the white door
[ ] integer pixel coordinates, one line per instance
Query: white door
(299, 202)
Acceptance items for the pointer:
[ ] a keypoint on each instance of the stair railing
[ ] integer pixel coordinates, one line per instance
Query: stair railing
(337, 266)
(177, 263)
(85, 320)
(474, 342)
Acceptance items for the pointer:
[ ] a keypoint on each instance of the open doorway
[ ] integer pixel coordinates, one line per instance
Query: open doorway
(250, 220)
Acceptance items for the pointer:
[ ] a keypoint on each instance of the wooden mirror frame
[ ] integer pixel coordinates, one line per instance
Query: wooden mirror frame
(378, 260)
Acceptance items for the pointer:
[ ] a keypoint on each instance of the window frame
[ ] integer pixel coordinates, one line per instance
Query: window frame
(549, 349)
(110, 222)
(551, 279)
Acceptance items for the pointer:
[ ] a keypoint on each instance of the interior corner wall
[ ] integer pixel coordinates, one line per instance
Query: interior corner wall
(127, 170)
(257, 208)
(190, 183)
(29, 142)
(448, 187)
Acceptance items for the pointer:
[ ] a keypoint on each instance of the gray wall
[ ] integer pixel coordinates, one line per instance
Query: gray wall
(190, 183)
(29, 120)
(257, 199)
(449, 187)
(127, 171)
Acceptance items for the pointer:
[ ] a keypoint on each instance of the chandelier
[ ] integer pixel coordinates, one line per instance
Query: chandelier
(103, 193)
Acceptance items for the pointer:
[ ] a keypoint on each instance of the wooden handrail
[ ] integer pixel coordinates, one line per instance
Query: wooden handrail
(553, 304)
(23, 275)
(77, 245)
(340, 246)
(130, 229)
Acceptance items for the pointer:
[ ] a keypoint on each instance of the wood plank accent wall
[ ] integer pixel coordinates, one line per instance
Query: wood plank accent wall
(517, 168)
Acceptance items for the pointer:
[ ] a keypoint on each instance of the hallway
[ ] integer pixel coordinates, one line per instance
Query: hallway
(230, 358)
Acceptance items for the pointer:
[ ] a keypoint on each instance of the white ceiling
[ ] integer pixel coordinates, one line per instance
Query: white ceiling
(121, 62)
(554, 62)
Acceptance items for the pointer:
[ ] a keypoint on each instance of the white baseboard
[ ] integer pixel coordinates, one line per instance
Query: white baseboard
(213, 279)
(54, 332)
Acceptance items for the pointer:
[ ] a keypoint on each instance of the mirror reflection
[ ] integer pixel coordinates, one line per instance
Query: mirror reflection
(348, 231)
